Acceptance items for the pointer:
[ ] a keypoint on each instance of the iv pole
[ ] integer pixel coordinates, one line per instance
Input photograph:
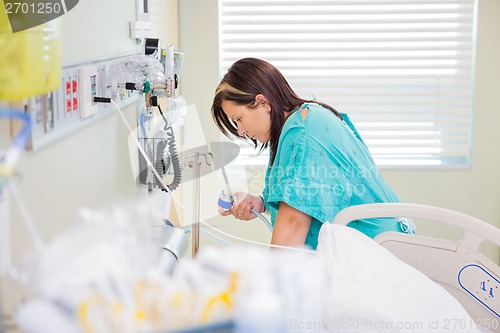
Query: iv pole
(193, 161)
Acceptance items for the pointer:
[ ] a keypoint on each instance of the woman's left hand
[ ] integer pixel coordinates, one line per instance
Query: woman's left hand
(244, 203)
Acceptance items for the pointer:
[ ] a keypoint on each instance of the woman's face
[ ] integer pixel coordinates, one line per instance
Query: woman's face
(252, 122)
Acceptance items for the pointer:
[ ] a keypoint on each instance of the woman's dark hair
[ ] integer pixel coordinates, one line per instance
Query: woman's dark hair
(244, 80)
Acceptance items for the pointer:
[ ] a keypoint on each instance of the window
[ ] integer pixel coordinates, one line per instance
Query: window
(401, 69)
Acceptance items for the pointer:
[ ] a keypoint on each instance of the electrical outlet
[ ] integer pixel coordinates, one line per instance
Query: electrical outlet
(72, 106)
(75, 93)
(89, 83)
(59, 100)
(69, 94)
(35, 106)
(49, 103)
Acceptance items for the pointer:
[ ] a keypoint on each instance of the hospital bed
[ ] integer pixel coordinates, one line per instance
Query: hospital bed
(458, 266)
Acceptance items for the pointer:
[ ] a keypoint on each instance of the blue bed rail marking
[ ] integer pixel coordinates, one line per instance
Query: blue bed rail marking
(486, 288)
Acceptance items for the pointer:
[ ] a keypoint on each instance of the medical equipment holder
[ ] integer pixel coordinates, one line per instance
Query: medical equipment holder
(193, 161)
(150, 146)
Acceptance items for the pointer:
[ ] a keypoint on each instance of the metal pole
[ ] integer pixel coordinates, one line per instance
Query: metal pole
(196, 204)
(193, 161)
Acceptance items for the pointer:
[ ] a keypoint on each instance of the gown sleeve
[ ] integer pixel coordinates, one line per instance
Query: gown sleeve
(308, 172)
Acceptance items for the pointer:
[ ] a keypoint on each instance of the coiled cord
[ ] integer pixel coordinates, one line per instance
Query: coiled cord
(161, 163)
(175, 160)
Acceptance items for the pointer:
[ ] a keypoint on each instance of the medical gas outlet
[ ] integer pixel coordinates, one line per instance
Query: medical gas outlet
(72, 106)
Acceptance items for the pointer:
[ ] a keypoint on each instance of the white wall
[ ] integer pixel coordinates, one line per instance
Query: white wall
(474, 191)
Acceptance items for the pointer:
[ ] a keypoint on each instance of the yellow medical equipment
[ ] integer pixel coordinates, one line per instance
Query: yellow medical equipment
(30, 60)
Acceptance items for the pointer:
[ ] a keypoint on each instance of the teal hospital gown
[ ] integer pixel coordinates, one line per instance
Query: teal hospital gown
(322, 166)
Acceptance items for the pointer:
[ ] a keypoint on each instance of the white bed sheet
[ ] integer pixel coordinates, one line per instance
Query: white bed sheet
(370, 290)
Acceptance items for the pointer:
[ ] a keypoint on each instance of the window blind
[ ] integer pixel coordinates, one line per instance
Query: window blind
(401, 69)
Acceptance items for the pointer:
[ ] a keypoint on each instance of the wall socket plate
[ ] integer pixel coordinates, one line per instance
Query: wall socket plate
(89, 83)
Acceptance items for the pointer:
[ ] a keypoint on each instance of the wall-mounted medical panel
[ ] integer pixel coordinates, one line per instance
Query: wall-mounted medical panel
(72, 107)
